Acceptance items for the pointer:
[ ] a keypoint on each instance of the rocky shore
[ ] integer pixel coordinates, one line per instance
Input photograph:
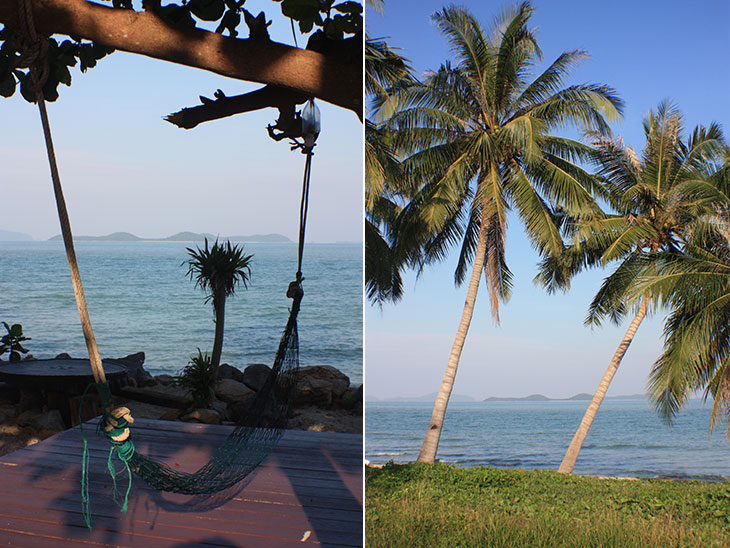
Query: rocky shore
(324, 401)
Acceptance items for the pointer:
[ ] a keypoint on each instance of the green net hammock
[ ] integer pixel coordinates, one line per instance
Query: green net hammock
(245, 447)
(249, 443)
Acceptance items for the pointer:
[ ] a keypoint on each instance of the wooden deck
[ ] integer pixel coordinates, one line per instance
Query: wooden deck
(307, 493)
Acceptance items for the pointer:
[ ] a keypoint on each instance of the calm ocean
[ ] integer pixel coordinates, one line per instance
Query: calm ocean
(140, 300)
(627, 438)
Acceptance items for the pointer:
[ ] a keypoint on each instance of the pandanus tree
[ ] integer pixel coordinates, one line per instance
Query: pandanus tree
(218, 270)
(481, 142)
(654, 213)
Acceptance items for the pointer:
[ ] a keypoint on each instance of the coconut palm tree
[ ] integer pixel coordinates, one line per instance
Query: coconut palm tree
(384, 182)
(480, 140)
(218, 270)
(695, 286)
(655, 213)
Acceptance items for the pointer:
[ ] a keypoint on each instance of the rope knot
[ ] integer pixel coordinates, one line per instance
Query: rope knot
(33, 49)
(116, 428)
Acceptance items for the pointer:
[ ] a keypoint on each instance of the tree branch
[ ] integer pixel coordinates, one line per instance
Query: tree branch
(269, 96)
(271, 63)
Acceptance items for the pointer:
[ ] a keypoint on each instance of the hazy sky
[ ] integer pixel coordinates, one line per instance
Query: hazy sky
(648, 51)
(123, 168)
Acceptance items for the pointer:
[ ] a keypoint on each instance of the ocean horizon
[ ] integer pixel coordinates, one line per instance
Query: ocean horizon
(140, 299)
(627, 438)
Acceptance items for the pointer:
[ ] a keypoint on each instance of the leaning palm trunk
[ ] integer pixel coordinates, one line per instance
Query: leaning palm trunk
(94, 357)
(571, 455)
(433, 434)
(219, 308)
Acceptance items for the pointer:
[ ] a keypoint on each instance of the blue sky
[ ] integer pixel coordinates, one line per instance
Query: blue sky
(123, 168)
(648, 51)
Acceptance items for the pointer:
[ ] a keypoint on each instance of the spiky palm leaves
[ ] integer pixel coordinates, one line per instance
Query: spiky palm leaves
(218, 270)
(384, 184)
(695, 285)
(478, 135)
(657, 201)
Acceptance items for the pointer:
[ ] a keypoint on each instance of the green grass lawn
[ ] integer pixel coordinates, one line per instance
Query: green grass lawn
(440, 505)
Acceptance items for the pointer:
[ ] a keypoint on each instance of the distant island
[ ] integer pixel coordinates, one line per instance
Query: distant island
(578, 397)
(533, 397)
(10, 236)
(179, 237)
(426, 397)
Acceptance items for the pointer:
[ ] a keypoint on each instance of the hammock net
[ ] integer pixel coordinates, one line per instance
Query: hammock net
(247, 445)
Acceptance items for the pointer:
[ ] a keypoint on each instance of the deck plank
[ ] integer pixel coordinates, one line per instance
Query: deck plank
(309, 486)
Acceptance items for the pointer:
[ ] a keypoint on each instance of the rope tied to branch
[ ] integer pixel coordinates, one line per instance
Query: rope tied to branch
(33, 49)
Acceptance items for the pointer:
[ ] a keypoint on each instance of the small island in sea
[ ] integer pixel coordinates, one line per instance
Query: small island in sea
(532, 397)
(578, 397)
(10, 236)
(179, 237)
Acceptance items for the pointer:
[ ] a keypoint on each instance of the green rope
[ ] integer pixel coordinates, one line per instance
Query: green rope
(85, 498)
(124, 450)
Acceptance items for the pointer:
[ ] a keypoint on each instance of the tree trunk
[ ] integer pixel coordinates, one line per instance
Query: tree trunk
(219, 307)
(264, 61)
(571, 455)
(94, 357)
(433, 434)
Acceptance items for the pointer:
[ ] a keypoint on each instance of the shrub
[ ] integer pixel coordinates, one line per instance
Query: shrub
(11, 342)
(199, 378)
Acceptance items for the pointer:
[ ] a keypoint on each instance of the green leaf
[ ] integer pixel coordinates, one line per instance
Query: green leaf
(87, 57)
(50, 89)
(306, 12)
(349, 7)
(26, 89)
(207, 10)
(16, 330)
(7, 84)
(100, 50)
(63, 75)
(177, 15)
(14, 357)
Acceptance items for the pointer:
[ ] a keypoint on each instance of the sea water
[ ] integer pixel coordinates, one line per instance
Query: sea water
(626, 439)
(140, 300)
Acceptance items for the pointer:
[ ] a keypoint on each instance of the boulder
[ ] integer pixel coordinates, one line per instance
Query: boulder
(10, 411)
(51, 420)
(312, 391)
(135, 370)
(255, 375)
(226, 371)
(165, 395)
(164, 379)
(340, 382)
(26, 418)
(206, 416)
(63, 356)
(352, 400)
(221, 408)
(171, 415)
(319, 385)
(229, 390)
